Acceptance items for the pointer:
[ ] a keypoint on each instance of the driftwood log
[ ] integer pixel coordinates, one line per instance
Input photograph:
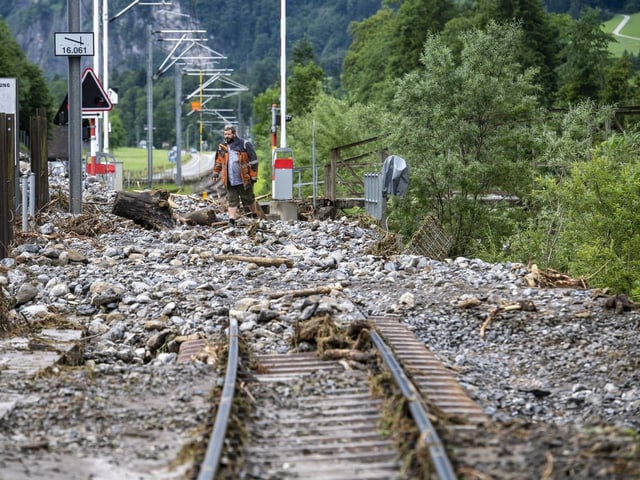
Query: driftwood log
(260, 261)
(206, 216)
(306, 292)
(347, 354)
(552, 279)
(150, 209)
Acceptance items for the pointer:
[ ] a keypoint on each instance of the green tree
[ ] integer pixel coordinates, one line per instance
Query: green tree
(303, 86)
(118, 134)
(33, 91)
(132, 104)
(388, 44)
(584, 59)
(364, 77)
(601, 199)
(465, 125)
(540, 41)
(302, 52)
(306, 79)
(164, 108)
(570, 137)
(618, 83)
(262, 110)
(413, 21)
(566, 139)
(588, 220)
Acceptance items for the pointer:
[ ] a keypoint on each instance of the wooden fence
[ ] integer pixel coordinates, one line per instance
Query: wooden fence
(7, 181)
(344, 174)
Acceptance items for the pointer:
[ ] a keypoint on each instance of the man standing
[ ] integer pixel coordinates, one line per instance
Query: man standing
(236, 165)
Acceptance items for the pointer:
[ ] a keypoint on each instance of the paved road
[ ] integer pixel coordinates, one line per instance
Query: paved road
(623, 22)
(198, 166)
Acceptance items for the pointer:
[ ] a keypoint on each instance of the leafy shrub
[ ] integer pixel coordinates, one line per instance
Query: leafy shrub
(587, 225)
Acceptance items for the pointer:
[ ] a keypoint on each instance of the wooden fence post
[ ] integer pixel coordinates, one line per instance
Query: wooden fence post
(7, 182)
(39, 157)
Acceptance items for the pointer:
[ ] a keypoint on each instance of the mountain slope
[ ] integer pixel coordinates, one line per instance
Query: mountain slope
(246, 32)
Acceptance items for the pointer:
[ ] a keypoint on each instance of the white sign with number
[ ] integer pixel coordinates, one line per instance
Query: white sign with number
(73, 44)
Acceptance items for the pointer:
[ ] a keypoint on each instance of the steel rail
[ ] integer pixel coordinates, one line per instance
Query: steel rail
(428, 434)
(209, 467)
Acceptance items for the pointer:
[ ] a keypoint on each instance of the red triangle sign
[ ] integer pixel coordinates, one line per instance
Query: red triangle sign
(94, 98)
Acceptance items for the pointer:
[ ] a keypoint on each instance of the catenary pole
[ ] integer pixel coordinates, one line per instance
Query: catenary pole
(150, 109)
(97, 68)
(105, 73)
(178, 83)
(74, 96)
(283, 73)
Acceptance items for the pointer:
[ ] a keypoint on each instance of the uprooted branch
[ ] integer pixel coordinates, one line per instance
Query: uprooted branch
(306, 292)
(552, 279)
(525, 305)
(348, 354)
(260, 261)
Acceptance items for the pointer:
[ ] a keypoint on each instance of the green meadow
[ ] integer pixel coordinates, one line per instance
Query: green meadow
(137, 160)
(135, 163)
(631, 29)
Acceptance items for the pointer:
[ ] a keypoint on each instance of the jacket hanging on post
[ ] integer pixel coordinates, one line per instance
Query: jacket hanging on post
(395, 176)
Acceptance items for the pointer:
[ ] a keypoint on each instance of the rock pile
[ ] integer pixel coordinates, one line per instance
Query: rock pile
(559, 358)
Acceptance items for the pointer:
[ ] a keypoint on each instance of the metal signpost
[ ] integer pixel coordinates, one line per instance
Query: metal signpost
(74, 45)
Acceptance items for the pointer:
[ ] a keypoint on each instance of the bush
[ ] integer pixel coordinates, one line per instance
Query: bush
(588, 220)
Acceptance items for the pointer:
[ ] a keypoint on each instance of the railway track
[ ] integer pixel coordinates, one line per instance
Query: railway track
(365, 413)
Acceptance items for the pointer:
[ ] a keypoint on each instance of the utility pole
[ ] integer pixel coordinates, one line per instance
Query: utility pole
(283, 73)
(178, 78)
(105, 21)
(172, 59)
(150, 109)
(105, 73)
(74, 95)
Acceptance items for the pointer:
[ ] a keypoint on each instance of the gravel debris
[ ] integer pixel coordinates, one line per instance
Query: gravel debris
(556, 363)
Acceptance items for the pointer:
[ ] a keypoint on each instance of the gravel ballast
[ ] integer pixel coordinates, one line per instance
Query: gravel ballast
(556, 368)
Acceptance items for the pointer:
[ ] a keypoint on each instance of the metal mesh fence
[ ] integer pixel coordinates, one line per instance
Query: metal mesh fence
(430, 240)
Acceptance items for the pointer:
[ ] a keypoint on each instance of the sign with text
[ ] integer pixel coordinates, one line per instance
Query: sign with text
(73, 44)
(9, 95)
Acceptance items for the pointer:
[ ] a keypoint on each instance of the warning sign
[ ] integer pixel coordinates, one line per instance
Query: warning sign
(94, 97)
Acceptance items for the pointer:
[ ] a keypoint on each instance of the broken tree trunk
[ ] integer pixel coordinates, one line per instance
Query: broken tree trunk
(206, 216)
(150, 209)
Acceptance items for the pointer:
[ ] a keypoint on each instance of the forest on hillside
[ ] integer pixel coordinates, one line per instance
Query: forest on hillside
(576, 8)
(246, 32)
(504, 98)
(355, 49)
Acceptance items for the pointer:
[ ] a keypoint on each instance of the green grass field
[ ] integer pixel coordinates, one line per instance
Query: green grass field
(631, 29)
(136, 159)
(135, 163)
